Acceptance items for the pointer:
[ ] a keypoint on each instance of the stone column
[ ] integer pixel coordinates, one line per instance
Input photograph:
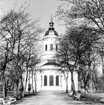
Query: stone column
(47, 80)
(42, 80)
(54, 82)
(60, 81)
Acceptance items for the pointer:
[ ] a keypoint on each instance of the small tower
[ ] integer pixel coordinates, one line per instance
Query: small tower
(50, 42)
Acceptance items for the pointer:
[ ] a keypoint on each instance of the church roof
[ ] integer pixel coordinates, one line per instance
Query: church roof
(52, 62)
(51, 28)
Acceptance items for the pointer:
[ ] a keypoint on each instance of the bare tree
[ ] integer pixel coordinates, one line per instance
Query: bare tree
(90, 10)
(76, 48)
(18, 29)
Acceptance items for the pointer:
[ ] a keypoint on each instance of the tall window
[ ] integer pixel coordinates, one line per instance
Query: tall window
(45, 80)
(56, 47)
(51, 46)
(46, 47)
(51, 80)
(57, 80)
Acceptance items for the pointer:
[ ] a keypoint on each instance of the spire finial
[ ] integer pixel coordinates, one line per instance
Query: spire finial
(51, 18)
(51, 23)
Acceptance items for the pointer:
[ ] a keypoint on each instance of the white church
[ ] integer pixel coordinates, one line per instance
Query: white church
(49, 76)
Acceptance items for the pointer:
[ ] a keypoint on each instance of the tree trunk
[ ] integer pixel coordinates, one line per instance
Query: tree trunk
(85, 87)
(22, 88)
(72, 82)
(66, 85)
(26, 78)
(16, 91)
(5, 62)
(102, 65)
(35, 82)
(5, 90)
(89, 67)
(35, 87)
(32, 81)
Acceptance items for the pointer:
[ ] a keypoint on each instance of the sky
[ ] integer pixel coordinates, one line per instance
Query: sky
(39, 9)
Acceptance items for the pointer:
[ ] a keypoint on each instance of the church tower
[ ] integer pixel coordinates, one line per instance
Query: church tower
(50, 42)
(50, 77)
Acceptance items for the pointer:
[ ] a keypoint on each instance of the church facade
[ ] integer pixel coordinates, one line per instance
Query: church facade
(48, 73)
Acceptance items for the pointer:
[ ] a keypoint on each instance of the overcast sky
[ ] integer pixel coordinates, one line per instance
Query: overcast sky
(39, 9)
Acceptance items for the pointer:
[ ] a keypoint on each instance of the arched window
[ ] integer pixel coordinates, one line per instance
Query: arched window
(51, 46)
(56, 47)
(45, 80)
(51, 80)
(46, 47)
(57, 80)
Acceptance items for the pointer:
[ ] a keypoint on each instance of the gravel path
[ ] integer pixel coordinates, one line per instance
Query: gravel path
(52, 98)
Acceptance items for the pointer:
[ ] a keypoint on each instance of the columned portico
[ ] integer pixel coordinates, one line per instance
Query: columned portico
(51, 80)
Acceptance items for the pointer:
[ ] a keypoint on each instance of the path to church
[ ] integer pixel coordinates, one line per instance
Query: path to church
(52, 98)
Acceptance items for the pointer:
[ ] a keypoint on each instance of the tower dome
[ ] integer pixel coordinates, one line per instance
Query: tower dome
(51, 28)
